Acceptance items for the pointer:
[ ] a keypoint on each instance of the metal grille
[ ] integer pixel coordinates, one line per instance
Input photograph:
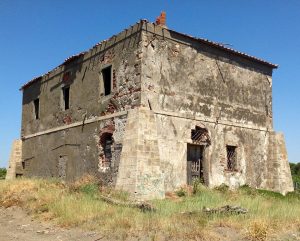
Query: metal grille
(231, 158)
(195, 166)
(200, 135)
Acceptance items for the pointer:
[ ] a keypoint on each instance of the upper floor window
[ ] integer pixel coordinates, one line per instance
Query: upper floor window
(36, 103)
(66, 97)
(106, 75)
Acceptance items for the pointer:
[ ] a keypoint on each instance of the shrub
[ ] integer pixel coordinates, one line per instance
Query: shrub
(90, 189)
(181, 192)
(222, 188)
(197, 186)
(2, 173)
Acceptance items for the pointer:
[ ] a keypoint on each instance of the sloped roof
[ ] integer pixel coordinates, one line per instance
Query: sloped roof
(230, 50)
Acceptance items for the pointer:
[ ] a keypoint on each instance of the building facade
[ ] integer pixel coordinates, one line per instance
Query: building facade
(152, 109)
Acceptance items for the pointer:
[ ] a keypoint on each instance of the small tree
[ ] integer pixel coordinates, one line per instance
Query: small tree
(295, 170)
(2, 173)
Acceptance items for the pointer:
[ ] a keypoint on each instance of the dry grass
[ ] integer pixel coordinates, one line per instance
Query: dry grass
(258, 230)
(77, 205)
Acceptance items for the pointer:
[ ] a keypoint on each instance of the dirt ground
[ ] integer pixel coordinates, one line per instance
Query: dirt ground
(16, 224)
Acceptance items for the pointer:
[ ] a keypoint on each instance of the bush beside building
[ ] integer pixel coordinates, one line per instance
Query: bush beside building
(2, 173)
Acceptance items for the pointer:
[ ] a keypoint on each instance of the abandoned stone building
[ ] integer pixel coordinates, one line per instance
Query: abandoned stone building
(150, 110)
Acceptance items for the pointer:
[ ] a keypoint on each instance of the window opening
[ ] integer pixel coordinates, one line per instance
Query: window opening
(36, 108)
(106, 143)
(66, 93)
(231, 158)
(107, 148)
(200, 135)
(106, 74)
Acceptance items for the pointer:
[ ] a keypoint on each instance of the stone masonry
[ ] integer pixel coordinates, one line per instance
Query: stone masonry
(150, 110)
(15, 168)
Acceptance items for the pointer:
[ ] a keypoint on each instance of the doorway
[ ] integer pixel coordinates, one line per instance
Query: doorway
(195, 163)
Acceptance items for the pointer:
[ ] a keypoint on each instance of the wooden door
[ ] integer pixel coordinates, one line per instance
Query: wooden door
(194, 163)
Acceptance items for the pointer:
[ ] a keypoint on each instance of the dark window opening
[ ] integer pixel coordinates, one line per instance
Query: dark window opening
(23, 165)
(107, 148)
(106, 74)
(231, 158)
(66, 93)
(37, 108)
(106, 143)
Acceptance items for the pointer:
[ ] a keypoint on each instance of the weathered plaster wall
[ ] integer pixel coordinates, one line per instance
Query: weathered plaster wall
(188, 84)
(191, 78)
(74, 152)
(175, 133)
(71, 152)
(87, 98)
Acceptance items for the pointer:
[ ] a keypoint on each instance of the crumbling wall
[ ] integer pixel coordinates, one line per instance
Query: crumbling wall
(66, 143)
(186, 83)
(164, 85)
(185, 76)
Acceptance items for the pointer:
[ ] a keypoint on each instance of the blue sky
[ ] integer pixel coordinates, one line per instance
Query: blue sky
(36, 36)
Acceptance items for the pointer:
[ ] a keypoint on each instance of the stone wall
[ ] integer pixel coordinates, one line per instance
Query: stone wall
(87, 98)
(15, 161)
(164, 85)
(140, 170)
(187, 84)
(68, 143)
(188, 77)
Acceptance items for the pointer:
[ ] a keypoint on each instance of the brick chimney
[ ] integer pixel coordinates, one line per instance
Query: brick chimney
(161, 20)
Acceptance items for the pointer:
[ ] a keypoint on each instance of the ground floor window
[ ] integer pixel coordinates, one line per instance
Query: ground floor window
(231, 158)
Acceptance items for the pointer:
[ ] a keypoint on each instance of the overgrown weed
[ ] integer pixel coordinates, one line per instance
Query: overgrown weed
(79, 205)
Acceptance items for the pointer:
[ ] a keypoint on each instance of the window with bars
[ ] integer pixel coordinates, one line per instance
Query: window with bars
(231, 158)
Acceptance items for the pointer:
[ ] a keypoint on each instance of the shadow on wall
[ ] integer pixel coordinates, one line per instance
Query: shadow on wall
(32, 92)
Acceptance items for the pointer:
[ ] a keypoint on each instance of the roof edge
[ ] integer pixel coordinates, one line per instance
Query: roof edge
(230, 50)
(205, 41)
(76, 56)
